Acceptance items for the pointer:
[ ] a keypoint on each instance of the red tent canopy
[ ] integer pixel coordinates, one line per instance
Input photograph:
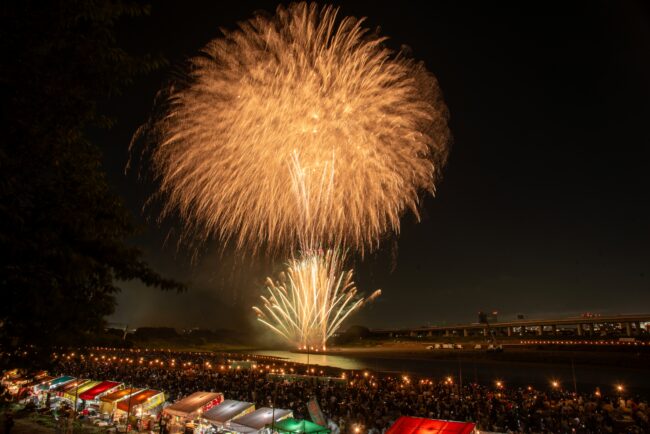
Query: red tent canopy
(102, 387)
(418, 425)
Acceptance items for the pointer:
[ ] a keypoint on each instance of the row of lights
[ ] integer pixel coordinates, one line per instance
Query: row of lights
(172, 363)
(197, 353)
(635, 343)
(448, 380)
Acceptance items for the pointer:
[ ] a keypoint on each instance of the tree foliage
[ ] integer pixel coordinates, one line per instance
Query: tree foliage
(63, 231)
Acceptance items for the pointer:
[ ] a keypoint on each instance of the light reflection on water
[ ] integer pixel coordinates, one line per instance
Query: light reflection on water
(316, 359)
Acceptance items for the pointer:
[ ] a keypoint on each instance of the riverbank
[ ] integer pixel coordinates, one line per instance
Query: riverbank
(623, 357)
(576, 370)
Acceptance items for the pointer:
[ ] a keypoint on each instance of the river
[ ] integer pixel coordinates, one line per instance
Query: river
(485, 371)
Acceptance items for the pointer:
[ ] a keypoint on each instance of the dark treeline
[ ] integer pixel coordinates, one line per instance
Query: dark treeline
(63, 232)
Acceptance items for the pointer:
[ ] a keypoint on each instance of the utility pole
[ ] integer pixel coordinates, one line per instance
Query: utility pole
(573, 372)
(76, 393)
(275, 392)
(460, 377)
(128, 413)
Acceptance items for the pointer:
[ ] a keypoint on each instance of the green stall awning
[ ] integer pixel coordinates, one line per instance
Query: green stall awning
(291, 425)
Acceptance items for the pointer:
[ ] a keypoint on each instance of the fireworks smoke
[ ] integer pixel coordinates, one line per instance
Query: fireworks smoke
(302, 126)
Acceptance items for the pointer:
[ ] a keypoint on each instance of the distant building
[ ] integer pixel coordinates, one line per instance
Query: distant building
(485, 318)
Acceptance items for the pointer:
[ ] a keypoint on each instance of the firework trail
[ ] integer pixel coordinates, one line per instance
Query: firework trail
(311, 299)
(301, 133)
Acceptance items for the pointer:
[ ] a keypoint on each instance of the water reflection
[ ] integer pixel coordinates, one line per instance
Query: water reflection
(316, 359)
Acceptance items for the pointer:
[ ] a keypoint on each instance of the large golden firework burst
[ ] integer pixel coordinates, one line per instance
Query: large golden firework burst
(300, 130)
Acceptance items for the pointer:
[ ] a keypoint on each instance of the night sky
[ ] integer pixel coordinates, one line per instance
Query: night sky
(544, 206)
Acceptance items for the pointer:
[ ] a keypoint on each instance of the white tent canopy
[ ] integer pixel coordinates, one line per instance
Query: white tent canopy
(191, 406)
(226, 411)
(258, 419)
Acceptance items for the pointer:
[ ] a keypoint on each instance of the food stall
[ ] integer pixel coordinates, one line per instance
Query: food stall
(73, 394)
(49, 386)
(91, 396)
(420, 425)
(32, 387)
(258, 419)
(297, 426)
(45, 391)
(61, 389)
(12, 380)
(143, 405)
(9, 377)
(17, 384)
(219, 416)
(108, 402)
(190, 408)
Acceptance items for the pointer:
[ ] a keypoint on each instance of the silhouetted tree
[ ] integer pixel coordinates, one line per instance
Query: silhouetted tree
(62, 229)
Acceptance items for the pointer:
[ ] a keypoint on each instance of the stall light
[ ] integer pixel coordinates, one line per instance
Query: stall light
(619, 388)
(555, 384)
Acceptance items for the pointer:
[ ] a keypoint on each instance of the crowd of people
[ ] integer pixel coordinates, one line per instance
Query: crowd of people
(358, 401)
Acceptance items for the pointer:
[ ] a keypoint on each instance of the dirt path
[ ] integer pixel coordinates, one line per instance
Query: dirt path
(26, 426)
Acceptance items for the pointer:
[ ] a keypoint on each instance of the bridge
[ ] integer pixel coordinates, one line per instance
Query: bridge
(628, 325)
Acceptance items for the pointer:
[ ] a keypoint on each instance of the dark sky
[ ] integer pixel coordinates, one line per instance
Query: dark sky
(544, 207)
